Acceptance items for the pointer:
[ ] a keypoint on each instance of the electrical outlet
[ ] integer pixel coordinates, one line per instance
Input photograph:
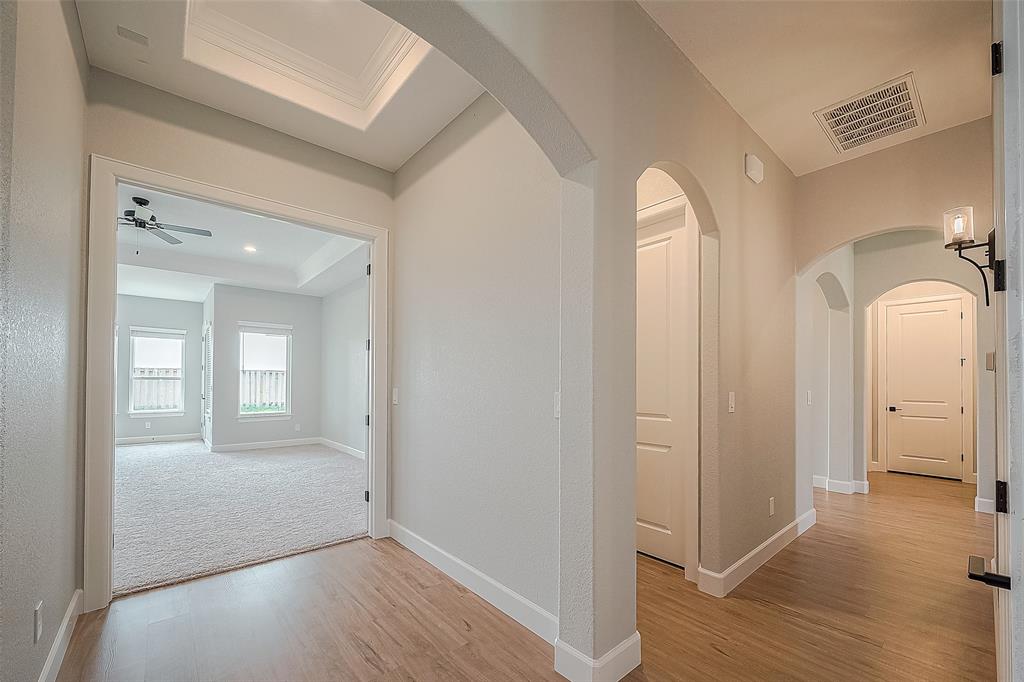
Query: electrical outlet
(771, 506)
(298, 427)
(37, 623)
(149, 424)
(732, 401)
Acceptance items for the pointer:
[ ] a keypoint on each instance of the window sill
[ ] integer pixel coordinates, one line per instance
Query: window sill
(151, 415)
(264, 417)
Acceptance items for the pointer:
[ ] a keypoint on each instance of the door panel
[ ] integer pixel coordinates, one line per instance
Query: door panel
(924, 388)
(666, 374)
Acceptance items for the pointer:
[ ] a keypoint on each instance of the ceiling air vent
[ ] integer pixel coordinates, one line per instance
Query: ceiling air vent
(890, 108)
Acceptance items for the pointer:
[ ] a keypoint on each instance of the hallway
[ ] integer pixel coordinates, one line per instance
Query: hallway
(877, 589)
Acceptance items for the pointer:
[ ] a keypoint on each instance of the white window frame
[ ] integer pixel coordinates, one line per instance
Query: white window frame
(154, 333)
(272, 329)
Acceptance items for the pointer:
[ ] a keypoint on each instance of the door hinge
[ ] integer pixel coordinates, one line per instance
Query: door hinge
(961, 409)
(1002, 497)
(962, 361)
(961, 454)
(367, 495)
(998, 275)
(368, 268)
(997, 58)
(367, 420)
(367, 344)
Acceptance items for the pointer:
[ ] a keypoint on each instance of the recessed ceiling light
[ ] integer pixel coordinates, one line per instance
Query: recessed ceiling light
(249, 248)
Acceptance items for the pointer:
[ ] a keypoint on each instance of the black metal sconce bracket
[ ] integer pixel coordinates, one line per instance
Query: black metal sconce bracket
(998, 267)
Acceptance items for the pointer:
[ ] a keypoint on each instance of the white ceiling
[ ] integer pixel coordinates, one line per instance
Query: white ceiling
(287, 257)
(337, 74)
(777, 62)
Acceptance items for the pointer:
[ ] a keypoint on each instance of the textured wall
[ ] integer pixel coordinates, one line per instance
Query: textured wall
(475, 307)
(140, 311)
(41, 328)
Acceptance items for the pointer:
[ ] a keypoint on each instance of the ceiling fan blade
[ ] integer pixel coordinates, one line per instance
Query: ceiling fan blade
(163, 235)
(190, 230)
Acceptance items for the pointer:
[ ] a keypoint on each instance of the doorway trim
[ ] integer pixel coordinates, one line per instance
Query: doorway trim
(104, 175)
(968, 345)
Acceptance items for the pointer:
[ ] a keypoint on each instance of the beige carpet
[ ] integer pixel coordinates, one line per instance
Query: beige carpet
(181, 511)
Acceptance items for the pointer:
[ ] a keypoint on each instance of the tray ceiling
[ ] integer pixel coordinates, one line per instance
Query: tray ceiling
(337, 74)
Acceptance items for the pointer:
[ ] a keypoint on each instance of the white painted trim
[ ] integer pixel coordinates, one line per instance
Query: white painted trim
(104, 176)
(135, 440)
(612, 667)
(984, 506)
(278, 417)
(512, 604)
(844, 487)
(265, 445)
(820, 481)
(60, 643)
(663, 210)
(335, 445)
(721, 584)
(861, 487)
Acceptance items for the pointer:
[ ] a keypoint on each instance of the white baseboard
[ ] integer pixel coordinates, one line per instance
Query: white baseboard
(341, 447)
(265, 445)
(612, 667)
(861, 487)
(985, 506)
(60, 643)
(821, 482)
(514, 605)
(721, 584)
(132, 440)
(844, 487)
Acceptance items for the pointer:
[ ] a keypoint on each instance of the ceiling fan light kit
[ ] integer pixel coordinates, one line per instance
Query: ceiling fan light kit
(143, 218)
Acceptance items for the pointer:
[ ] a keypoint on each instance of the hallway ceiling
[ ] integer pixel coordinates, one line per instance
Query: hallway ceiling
(778, 62)
(284, 257)
(338, 74)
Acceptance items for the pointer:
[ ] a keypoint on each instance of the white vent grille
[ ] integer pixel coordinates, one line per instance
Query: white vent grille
(890, 108)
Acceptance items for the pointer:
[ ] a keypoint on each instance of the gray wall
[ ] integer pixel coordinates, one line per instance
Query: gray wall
(41, 324)
(476, 328)
(235, 304)
(344, 330)
(140, 311)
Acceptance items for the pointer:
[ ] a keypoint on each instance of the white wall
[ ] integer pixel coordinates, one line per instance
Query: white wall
(476, 328)
(824, 366)
(235, 304)
(344, 389)
(42, 173)
(140, 311)
(887, 261)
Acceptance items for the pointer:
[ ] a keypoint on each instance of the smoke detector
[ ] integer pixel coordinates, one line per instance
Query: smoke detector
(890, 108)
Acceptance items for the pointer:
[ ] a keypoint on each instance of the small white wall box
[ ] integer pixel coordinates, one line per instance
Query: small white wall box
(754, 168)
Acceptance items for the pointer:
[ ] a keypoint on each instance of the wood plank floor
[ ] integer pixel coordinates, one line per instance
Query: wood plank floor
(876, 590)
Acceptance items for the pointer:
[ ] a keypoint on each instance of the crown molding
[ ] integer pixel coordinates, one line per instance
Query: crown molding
(217, 29)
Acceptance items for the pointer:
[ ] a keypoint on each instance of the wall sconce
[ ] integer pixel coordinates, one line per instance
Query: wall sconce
(958, 229)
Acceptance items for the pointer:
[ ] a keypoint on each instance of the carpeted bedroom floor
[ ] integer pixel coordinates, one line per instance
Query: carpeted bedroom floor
(181, 511)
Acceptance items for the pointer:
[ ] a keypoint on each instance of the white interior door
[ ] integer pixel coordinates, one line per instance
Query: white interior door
(924, 367)
(667, 386)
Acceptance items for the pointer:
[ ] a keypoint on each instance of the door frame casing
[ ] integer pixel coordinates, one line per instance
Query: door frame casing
(968, 378)
(104, 175)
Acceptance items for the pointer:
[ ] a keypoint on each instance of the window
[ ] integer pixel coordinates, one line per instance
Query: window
(264, 386)
(157, 371)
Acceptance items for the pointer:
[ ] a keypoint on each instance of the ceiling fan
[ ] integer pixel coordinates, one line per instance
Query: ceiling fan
(144, 219)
